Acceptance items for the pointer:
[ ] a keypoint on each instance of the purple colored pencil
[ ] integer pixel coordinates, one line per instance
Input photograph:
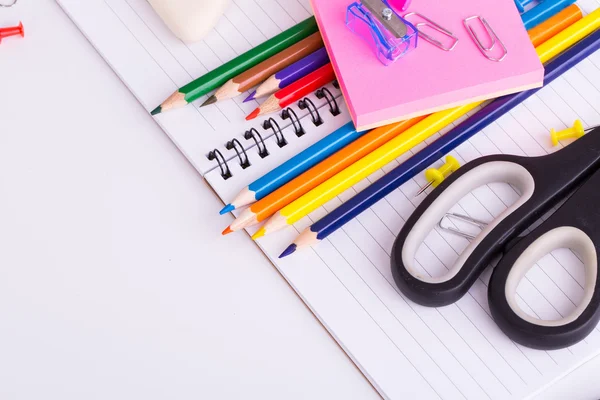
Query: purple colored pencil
(291, 74)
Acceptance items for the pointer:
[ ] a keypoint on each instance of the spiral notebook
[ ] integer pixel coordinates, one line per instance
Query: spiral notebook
(405, 350)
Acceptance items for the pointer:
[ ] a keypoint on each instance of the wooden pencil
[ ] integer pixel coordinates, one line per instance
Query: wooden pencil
(291, 74)
(543, 12)
(295, 91)
(364, 167)
(555, 24)
(295, 166)
(217, 77)
(257, 74)
(289, 192)
(565, 49)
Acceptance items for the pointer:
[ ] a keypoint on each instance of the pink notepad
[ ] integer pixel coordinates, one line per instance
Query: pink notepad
(429, 79)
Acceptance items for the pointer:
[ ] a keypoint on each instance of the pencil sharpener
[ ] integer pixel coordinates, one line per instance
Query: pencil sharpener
(388, 34)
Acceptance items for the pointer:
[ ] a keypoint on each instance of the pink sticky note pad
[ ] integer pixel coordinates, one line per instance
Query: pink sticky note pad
(429, 79)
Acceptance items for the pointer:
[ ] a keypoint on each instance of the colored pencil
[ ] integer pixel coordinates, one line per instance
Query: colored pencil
(289, 192)
(362, 168)
(448, 142)
(294, 166)
(554, 25)
(291, 74)
(217, 77)
(418, 133)
(543, 11)
(257, 74)
(295, 91)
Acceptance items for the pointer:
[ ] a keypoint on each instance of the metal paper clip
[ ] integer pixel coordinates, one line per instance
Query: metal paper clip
(485, 50)
(391, 36)
(436, 27)
(463, 218)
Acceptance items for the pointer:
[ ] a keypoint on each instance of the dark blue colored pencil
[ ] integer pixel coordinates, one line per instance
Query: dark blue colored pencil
(418, 162)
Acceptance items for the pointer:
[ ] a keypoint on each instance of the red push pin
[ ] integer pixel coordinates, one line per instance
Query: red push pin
(12, 31)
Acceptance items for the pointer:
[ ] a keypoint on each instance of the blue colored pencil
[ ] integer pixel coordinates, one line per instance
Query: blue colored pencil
(294, 166)
(291, 74)
(521, 4)
(448, 142)
(543, 11)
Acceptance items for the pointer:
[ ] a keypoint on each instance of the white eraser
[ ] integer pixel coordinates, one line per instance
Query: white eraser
(190, 20)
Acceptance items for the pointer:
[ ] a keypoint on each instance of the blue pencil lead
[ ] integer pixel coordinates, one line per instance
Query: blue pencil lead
(227, 208)
(290, 250)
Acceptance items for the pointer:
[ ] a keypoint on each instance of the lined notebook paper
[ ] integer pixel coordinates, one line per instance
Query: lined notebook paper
(405, 350)
(153, 63)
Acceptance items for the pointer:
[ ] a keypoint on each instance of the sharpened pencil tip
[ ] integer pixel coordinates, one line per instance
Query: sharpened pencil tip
(211, 100)
(290, 250)
(227, 208)
(227, 231)
(253, 114)
(157, 110)
(251, 97)
(260, 233)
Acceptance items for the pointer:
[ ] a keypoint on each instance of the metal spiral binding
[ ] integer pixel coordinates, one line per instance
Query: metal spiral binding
(291, 114)
(307, 104)
(334, 108)
(244, 162)
(225, 171)
(253, 134)
(272, 124)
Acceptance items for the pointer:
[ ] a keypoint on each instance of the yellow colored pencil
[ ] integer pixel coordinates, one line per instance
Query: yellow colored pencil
(362, 168)
(358, 171)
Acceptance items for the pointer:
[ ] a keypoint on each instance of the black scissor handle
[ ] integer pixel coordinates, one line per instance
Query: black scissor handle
(576, 225)
(554, 176)
(450, 288)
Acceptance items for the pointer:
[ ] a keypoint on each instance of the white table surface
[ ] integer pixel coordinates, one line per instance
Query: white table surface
(114, 280)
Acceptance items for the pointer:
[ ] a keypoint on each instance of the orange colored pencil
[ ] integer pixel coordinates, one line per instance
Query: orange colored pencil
(554, 25)
(318, 174)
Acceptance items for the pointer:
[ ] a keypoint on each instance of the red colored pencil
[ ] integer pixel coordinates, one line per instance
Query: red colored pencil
(297, 90)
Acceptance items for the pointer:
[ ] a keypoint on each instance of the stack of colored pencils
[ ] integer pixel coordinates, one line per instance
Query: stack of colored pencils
(289, 66)
(289, 193)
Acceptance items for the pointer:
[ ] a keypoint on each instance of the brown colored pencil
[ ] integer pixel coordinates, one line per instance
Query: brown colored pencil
(294, 92)
(265, 69)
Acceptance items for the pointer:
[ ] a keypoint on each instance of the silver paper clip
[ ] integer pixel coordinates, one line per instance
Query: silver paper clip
(463, 218)
(436, 27)
(493, 37)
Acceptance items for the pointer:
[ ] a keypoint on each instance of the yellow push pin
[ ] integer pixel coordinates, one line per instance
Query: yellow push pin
(436, 176)
(575, 132)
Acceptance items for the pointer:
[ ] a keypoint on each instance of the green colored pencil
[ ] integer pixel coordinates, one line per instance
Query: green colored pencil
(217, 77)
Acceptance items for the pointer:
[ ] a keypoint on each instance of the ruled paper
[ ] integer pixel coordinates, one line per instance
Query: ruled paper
(405, 350)
(153, 63)
(453, 352)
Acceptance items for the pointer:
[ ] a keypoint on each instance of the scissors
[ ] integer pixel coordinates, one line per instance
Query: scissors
(543, 182)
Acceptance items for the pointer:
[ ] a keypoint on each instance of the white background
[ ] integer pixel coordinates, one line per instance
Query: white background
(115, 282)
